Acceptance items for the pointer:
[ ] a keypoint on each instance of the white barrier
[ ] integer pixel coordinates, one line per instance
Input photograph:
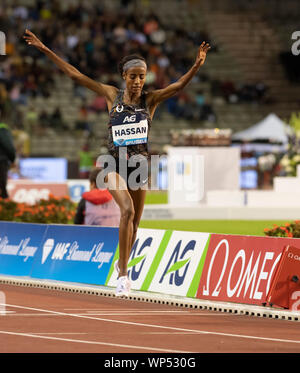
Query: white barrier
(201, 212)
(287, 184)
(262, 198)
(193, 171)
(227, 198)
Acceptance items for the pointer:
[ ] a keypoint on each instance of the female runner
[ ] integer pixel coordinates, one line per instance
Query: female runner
(134, 108)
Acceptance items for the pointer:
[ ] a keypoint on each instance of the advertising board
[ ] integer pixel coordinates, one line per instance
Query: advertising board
(76, 254)
(19, 243)
(240, 268)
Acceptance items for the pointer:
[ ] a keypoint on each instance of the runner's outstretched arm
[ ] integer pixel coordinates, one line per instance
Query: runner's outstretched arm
(105, 90)
(160, 95)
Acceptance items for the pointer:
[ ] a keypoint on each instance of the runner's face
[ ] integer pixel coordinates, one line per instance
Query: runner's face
(135, 79)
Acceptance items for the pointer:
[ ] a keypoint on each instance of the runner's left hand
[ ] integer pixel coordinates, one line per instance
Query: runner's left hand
(202, 51)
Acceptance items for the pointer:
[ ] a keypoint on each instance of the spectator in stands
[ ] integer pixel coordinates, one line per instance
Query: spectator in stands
(31, 85)
(199, 102)
(97, 207)
(199, 98)
(184, 107)
(56, 120)
(31, 120)
(44, 120)
(86, 161)
(92, 39)
(16, 94)
(7, 156)
(98, 105)
(3, 97)
(83, 123)
(21, 141)
(260, 91)
(207, 113)
(44, 86)
(228, 89)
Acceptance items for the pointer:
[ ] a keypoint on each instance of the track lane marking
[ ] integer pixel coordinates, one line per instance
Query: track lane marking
(113, 309)
(91, 342)
(58, 333)
(13, 313)
(159, 326)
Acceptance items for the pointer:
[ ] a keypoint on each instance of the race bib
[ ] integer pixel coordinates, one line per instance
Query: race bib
(132, 131)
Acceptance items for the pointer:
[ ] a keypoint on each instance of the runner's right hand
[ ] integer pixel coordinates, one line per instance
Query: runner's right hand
(33, 40)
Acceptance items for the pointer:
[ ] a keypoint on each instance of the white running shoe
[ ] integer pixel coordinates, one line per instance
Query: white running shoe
(123, 287)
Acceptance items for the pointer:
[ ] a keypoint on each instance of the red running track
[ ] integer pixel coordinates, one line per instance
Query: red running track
(41, 320)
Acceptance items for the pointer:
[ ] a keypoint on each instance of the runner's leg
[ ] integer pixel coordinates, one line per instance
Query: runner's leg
(138, 198)
(118, 189)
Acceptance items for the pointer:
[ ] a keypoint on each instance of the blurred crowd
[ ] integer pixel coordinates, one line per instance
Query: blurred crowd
(94, 39)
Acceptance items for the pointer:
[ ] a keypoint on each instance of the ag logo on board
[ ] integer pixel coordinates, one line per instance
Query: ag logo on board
(179, 263)
(137, 257)
(141, 257)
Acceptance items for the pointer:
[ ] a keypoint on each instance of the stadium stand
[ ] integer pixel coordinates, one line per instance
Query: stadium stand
(242, 81)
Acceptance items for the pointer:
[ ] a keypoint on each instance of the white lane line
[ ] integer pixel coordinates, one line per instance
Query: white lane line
(31, 335)
(160, 326)
(32, 314)
(66, 333)
(171, 333)
(136, 312)
(16, 314)
(185, 313)
(124, 310)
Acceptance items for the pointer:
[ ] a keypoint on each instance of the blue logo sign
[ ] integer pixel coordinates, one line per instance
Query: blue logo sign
(76, 191)
(76, 253)
(19, 243)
